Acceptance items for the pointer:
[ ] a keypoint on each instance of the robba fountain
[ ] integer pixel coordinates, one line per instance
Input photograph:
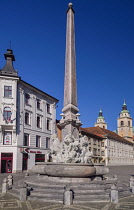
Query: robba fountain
(71, 158)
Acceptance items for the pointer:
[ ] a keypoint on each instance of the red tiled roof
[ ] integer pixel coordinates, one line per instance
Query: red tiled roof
(91, 133)
(104, 132)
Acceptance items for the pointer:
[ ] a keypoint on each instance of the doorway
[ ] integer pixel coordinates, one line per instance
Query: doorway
(25, 161)
(6, 162)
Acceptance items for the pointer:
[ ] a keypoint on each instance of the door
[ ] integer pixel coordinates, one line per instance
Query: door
(3, 166)
(9, 166)
(25, 162)
(6, 162)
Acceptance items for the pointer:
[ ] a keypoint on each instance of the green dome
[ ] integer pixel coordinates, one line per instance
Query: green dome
(100, 117)
(124, 111)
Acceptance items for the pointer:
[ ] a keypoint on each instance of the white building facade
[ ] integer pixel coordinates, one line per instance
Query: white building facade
(118, 152)
(115, 150)
(27, 121)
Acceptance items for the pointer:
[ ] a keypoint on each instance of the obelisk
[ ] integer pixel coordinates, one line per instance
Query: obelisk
(70, 122)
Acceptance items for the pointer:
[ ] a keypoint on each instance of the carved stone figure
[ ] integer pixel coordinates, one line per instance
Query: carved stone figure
(71, 150)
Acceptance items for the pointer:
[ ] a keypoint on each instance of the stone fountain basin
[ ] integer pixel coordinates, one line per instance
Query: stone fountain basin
(77, 170)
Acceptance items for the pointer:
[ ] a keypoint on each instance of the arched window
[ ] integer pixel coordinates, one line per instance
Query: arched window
(7, 114)
(122, 123)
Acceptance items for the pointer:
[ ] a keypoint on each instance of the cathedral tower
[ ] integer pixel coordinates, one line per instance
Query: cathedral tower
(101, 121)
(124, 123)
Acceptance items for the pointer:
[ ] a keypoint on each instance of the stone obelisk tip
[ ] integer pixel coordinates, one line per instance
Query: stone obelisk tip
(70, 5)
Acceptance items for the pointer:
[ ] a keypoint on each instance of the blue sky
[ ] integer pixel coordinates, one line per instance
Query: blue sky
(104, 51)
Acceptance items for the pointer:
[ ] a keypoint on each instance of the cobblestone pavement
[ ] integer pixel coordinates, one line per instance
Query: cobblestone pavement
(123, 172)
(10, 202)
(16, 177)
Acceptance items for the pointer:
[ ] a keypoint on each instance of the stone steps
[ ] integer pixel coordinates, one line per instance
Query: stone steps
(90, 183)
(45, 182)
(124, 194)
(91, 197)
(83, 192)
(78, 198)
(46, 195)
(73, 186)
(95, 191)
(38, 186)
(90, 201)
(51, 190)
(88, 187)
(49, 200)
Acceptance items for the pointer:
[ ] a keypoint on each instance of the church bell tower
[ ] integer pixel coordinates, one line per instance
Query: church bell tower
(101, 121)
(124, 123)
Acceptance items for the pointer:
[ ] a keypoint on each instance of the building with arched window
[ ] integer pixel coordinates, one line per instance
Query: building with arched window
(7, 114)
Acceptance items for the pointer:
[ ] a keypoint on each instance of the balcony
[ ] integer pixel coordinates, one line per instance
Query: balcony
(4, 124)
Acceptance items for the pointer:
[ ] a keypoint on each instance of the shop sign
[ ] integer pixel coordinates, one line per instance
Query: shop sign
(7, 137)
(27, 150)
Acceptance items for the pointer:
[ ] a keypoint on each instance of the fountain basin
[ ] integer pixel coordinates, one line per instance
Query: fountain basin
(71, 170)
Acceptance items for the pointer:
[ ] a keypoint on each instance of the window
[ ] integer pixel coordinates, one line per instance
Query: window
(7, 137)
(38, 122)
(122, 123)
(37, 141)
(38, 104)
(48, 108)
(98, 152)
(128, 123)
(102, 153)
(47, 142)
(26, 139)
(27, 98)
(94, 141)
(27, 118)
(39, 158)
(102, 144)
(48, 124)
(94, 151)
(7, 114)
(8, 91)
